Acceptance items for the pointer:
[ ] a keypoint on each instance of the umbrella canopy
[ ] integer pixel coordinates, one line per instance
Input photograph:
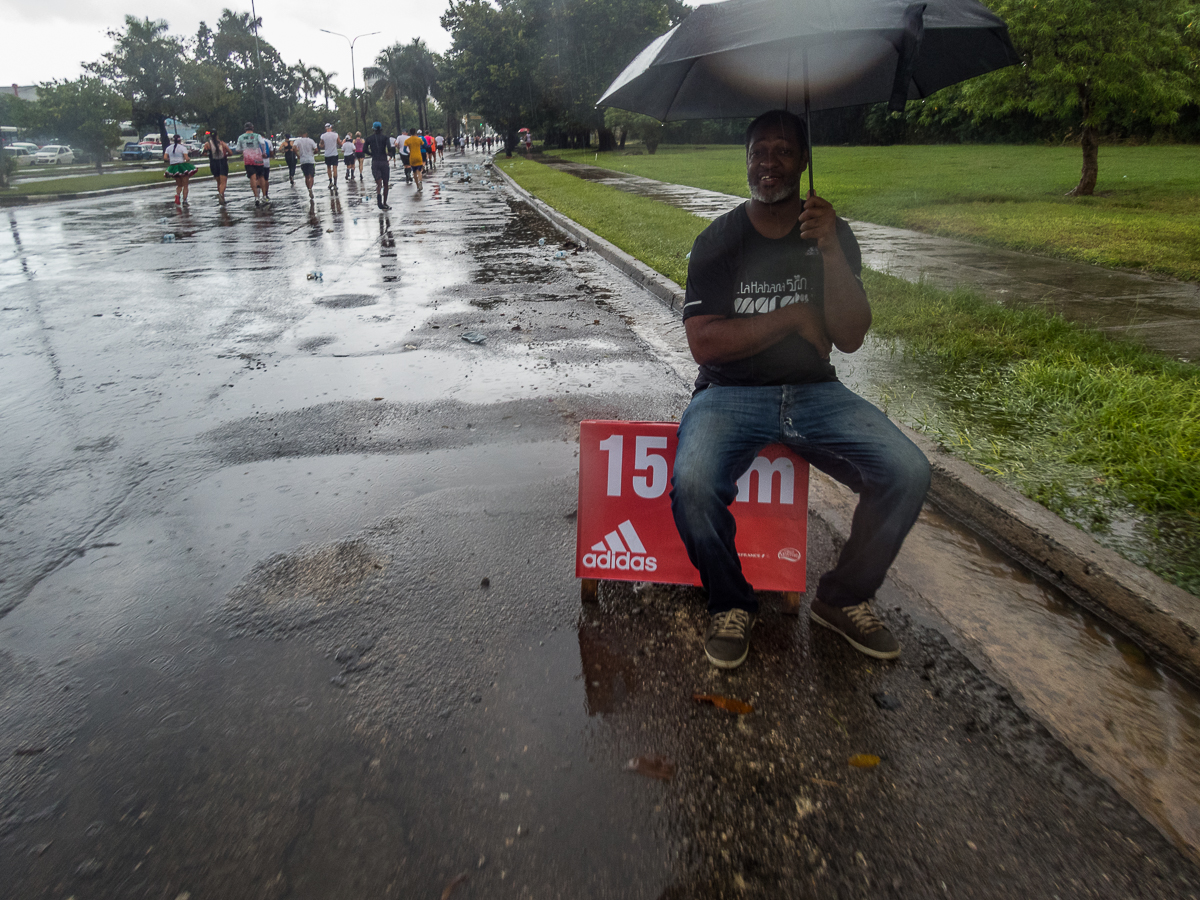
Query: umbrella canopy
(741, 58)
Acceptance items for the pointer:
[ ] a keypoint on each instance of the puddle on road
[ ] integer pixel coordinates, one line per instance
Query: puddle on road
(214, 532)
(1123, 714)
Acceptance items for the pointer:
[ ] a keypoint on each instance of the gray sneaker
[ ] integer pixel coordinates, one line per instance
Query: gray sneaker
(727, 643)
(859, 625)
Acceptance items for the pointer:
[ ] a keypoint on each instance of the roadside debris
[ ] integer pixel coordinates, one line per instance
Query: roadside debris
(726, 703)
(864, 761)
(454, 883)
(474, 337)
(652, 767)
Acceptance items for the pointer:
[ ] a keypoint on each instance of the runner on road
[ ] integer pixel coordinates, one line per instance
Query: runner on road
(218, 152)
(416, 156)
(179, 167)
(288, 146)
(329, 147)
(250, 145)
(265, 174)
(348, 156)
(306, 150)
(377, 145)
(402, 149)
(360, 152)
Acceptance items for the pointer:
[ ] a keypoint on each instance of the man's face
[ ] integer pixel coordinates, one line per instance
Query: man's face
(775, 160)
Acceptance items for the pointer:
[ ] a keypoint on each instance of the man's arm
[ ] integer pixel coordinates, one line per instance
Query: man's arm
(717, 339)
(847, 312)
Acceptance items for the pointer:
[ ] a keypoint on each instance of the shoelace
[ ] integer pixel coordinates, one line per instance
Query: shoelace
(863, 618)
(732, 623)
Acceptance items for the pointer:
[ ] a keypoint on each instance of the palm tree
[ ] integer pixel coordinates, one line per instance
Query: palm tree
(304, 80)
(325, 80)
(420, 76)
(388, 75)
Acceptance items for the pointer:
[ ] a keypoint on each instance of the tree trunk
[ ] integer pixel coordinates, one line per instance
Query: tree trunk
(396, 98)
(162, 130)
(1091, 164)
(623, 130)
(607, 141)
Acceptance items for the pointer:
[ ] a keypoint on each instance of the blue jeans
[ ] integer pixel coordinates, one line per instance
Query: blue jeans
(833, 428)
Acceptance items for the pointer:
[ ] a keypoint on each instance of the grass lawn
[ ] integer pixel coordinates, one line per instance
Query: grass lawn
(101, 182)
(1104, 433)
(1146, 214)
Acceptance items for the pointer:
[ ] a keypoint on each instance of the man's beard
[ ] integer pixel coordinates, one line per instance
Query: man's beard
(778, 194)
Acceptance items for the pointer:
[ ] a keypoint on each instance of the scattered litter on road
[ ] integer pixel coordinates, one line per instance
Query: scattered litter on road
(168, 238)
(726, 703)
(864, 761)
(561, 254)
(541, 242)
(474, 337)
(454, 882)
(652, 767)
(885, 700)
(316, 276)
(486, 582)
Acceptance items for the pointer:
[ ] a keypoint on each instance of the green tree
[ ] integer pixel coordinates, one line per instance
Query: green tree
(387, 77)
(144, 67)
(420, 76)
(642, 128)
(84, 112)
(1102, 63)
(491, 61)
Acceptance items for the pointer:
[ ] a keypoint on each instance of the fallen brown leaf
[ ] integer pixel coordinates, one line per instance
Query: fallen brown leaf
(864, 761)
(726, 703)
(824, 782)
(454, 882)
(652, 767)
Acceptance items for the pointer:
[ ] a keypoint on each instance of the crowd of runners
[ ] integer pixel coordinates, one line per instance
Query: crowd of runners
(414, 152)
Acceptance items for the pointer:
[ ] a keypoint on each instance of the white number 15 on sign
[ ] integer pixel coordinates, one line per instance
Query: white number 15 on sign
(651, 485)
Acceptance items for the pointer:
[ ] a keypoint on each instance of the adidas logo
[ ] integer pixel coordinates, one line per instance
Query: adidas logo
(621, 549)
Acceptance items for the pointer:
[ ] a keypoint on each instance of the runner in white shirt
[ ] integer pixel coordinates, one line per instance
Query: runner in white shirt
(329, 146)
(306, 149)
(348, 156)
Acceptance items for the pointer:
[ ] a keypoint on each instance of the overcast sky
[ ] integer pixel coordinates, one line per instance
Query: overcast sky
(45, 40)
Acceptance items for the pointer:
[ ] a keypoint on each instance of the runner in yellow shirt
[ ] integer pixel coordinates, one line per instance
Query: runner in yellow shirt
(415, 158)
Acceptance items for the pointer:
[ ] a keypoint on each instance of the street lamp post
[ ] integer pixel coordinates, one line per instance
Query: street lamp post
(353, 73)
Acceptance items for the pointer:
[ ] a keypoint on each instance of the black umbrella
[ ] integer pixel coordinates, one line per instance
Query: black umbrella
(741, 58)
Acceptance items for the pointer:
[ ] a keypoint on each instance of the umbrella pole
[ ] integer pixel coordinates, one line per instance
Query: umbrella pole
(808, 125)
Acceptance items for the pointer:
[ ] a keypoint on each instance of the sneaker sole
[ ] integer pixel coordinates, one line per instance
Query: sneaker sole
(726, 663)
(875, 654)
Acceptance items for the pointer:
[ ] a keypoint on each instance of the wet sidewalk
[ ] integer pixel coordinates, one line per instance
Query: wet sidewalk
(1159, 312)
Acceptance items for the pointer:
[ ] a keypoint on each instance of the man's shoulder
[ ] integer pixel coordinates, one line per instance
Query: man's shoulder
(724, 231)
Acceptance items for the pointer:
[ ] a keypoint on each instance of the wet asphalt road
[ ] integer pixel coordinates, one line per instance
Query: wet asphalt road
(291, 609)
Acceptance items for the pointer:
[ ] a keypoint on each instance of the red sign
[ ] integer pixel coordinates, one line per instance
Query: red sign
(625, 531)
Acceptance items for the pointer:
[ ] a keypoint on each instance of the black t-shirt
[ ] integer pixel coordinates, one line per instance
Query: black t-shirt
(376, 145)
(736, 272)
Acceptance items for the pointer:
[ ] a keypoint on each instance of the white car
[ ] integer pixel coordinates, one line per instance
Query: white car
(28, 145)
(56, 154)
(22, 155)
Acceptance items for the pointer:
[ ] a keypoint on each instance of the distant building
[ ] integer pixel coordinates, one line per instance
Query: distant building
(23, 91)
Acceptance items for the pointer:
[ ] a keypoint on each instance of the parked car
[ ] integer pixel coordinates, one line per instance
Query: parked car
(56, 154)
(28, 145)
(21, 154)
(135, 151)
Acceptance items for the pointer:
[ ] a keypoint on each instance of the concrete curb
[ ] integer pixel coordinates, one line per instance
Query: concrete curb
(1162, 618)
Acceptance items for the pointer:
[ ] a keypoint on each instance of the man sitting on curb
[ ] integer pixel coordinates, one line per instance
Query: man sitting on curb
(771, 286)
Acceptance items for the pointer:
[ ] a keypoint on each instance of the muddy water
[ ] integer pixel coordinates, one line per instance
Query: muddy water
(1122, 713)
